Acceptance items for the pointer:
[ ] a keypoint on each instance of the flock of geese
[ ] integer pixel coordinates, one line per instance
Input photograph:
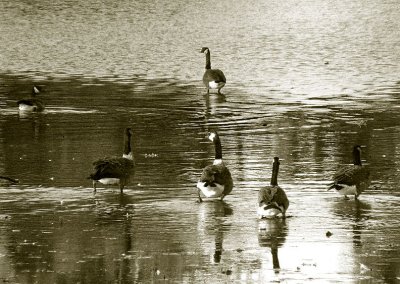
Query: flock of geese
(216, 179)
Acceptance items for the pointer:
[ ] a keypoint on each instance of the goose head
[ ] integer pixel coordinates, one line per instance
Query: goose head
(205, 50)
(36, 90)
(357, 154)
(128, 132)
(213, 136)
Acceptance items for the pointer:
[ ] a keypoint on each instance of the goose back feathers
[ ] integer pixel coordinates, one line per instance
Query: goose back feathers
(272, 199)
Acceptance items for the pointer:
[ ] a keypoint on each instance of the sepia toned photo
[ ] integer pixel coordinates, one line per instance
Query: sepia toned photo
(199, 141)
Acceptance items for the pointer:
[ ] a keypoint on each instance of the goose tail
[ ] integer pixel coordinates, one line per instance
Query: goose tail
(331, 185)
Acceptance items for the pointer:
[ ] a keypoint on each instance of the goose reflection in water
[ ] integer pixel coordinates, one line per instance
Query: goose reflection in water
(356, 213)
(212, 221)
(272, 233)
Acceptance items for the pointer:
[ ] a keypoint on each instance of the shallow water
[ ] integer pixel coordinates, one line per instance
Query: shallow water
(306, 81)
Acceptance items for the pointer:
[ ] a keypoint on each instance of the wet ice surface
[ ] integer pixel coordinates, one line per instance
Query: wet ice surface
(305, 82)
(56, 230)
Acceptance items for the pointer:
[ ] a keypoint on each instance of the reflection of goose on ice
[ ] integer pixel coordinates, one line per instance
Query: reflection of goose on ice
(356, 215)
(216, 180)
(272, 233)
(272, 200)
(212, 222)
(351, 179)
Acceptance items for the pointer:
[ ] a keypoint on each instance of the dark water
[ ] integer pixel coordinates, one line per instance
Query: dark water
(55, 230)
(306, 81)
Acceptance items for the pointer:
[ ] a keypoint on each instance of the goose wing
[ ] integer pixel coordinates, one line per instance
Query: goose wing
(274, 196)
(266, 194)
(112, 168)
(351, 175)
(32, 102)
(29, 102)
(214, 75)
(217, 174)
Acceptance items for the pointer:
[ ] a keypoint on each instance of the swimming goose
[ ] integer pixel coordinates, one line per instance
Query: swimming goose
(351, 179)
(272, 199)
(212, 78)
(216, 180)
(32, 104)
(115, 170)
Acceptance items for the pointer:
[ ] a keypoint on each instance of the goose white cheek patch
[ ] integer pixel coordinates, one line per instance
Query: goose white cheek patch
(211, 136)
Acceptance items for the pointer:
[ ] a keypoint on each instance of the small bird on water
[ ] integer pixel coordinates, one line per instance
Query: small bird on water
(32, 103)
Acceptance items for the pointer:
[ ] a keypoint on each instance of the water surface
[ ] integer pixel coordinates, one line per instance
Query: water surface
(306, 81)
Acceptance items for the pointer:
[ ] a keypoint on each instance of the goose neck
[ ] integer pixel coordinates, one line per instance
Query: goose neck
(127, 147)
(208, 60)
(357, 157)
(218, 149)
(275, 170)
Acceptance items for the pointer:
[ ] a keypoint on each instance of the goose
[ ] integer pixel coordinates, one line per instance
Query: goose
(115, 170)
(212, 78)
(31, 104)
(272, 199)
(351, 179)
(216, 180)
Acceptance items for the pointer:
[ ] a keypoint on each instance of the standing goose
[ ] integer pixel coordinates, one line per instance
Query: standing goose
(212, 78)
(351, 179)
(31, 104)
(115, 170)
(272, 199)
(216, 180)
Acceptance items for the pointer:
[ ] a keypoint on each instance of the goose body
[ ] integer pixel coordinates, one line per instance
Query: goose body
(212, 78)
(272, 199)
(351, 179)
(216, 180)
(32, 103)
(116, 170)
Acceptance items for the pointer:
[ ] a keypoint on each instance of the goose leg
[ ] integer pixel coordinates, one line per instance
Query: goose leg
(208, 91)
(94, 186)
(121, 186)
(198, 192)
(222, 197)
